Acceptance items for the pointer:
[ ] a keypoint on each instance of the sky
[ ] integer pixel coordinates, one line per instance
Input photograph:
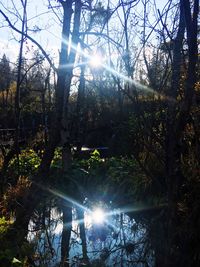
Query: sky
(39, 16)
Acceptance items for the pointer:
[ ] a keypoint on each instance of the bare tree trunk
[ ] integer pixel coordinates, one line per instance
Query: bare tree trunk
(176, 121)
(80, 111)
(66, 76)
(65, 135)
(17, 97)
(80, 213)
(172, 150)
(44, 110)
(66, 234)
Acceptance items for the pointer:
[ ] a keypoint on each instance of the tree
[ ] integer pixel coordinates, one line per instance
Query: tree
(5, 80)
(177, 121)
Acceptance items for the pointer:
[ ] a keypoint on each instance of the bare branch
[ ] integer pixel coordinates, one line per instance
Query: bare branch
(31, 39)
(101, 35)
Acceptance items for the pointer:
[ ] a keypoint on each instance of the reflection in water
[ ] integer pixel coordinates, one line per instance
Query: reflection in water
(113, 239)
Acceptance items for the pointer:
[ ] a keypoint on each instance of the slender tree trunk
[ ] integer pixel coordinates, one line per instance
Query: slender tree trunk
(66, 234)
(17, 97)
(176, 121)
(65, 135)
(80, 111)
(66, 77)
(172, 148)
(80, 213)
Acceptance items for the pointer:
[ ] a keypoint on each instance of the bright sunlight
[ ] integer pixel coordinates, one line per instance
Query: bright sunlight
(95, 61)
(98, 216)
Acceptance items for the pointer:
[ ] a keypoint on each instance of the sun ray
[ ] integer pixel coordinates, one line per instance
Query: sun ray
(138, 85)
(68, 199)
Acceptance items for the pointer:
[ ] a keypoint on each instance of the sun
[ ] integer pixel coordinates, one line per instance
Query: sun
(95, 61)
(98, 216)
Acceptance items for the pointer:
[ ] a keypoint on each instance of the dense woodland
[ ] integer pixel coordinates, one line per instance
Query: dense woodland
(113, 120)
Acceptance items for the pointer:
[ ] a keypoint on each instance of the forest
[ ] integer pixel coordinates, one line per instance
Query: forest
(99, 133)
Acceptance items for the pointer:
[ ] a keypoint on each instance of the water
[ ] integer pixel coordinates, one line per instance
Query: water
(116, 241)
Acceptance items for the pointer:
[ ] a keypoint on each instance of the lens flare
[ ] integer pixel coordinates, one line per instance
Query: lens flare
(98, 216)
(95, 61)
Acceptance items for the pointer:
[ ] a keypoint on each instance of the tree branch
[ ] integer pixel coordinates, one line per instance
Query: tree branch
(31, 39)
(102, 35)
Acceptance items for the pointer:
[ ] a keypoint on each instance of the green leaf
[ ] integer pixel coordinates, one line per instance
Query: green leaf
(15, 261)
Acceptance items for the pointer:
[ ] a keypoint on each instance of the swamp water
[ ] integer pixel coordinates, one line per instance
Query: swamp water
(113, 240)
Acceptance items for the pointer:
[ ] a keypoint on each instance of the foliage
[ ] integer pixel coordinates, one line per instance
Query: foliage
(100, 15)
(15, 196)
(5, 71)
(127, 173)
(116, 179)
(4, 225)
(57, 162)
(27, 163)
(6, 255)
